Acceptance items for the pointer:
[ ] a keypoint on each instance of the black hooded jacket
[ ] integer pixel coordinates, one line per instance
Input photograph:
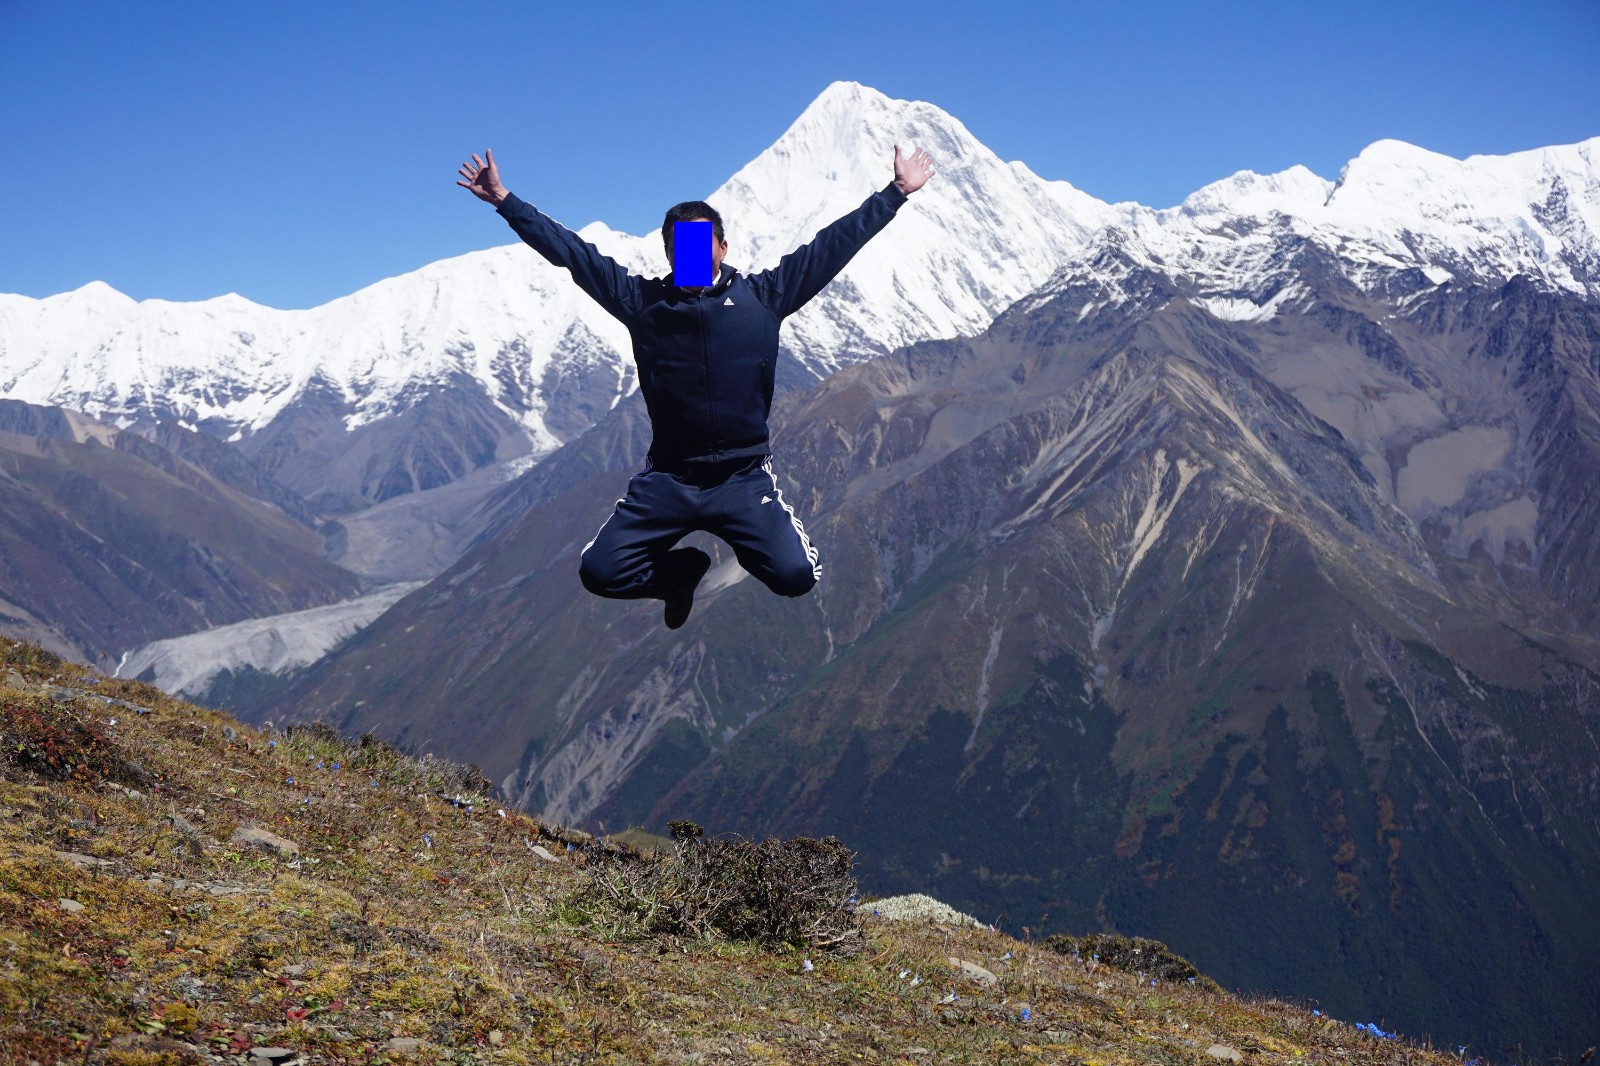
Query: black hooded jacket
(706, 359)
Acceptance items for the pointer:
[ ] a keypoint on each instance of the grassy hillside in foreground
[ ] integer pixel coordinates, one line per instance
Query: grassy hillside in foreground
(406, 917)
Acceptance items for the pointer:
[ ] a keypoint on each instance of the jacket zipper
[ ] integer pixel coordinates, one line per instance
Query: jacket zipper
(711, 396)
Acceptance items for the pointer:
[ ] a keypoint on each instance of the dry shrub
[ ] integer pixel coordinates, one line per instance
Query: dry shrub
(50, 739)
(796, 892)
(1131, 954)
(373, 754)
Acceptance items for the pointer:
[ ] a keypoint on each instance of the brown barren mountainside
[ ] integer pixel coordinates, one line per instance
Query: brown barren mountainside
(1124, 625)
(109, 540)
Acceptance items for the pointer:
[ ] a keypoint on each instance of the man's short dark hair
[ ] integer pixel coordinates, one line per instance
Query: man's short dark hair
(691, 211)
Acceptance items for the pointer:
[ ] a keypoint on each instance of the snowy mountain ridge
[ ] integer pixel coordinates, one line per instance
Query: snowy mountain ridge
(984, 234)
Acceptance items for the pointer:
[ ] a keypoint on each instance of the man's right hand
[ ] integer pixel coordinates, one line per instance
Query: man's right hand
(483, 179)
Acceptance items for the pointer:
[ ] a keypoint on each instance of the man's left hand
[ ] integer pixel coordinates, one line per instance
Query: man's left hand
(912, 172)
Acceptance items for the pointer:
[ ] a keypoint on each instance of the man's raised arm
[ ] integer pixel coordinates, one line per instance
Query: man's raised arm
(602, 277)
(802, 273)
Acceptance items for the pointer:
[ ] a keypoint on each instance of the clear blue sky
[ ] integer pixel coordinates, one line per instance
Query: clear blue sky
(294, 152)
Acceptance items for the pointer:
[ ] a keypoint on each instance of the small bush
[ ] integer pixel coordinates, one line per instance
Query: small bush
(29, 660)
(49, 739)
(1131, 954)
(796, 892)
(371, 753)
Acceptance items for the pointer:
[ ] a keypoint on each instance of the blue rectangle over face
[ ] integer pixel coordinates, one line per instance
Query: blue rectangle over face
(691, 253)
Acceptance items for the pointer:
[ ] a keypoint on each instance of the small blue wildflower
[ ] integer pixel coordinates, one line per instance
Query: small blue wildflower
(288, 780)
(305, 801)
(335, 766)
(1191, 980)
(319, 765)
(1006, 957)
(1152, 982)
(272, 743)
(427, 839)
(805, 966)
(1027, 1014)
(374, 784)
(1314, 1013)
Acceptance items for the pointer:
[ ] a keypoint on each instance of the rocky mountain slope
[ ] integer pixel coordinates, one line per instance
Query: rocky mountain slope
(109, 540)
(1162, 610)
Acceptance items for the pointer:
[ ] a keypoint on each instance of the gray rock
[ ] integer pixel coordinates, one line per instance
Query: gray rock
(275, 1056)
(975, 972)
(405, 1045)
(192, 839)
(1223, 1051)
(543, 853)
(83, 860)
(14, 679)
(190, 987)
(71, 906)
(229, 733)
(266, 840)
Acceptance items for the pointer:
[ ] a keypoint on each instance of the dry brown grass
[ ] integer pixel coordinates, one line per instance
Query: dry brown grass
(415, 907)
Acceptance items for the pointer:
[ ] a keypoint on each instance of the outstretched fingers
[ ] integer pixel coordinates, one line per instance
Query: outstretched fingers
(481, 176)
(912, 172)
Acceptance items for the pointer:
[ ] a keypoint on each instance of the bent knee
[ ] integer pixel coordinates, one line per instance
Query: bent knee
(794, 581)
(598, 578)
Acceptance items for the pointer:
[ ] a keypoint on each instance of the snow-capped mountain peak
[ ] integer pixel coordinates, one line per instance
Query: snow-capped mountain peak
(542, 360)
(1251, 195)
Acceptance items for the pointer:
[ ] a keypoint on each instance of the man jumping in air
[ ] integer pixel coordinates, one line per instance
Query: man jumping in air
(705, 355)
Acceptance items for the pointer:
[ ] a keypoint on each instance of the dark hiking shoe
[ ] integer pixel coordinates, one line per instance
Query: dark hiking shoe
(695, 564)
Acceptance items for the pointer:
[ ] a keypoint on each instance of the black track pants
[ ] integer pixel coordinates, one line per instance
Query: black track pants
(632, 556)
